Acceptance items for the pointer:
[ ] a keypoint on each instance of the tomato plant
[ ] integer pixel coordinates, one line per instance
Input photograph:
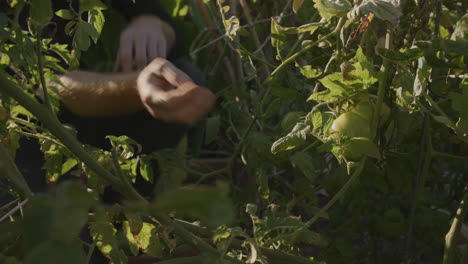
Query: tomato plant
(340, 136)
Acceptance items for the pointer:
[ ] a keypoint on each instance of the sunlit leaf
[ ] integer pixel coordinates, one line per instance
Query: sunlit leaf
(331, 8)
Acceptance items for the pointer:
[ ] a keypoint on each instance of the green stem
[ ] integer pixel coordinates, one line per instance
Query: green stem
(453, 234)
(335, 198)
(425, 158)
(383, 78)
(9, 169)
(291, 59)
(187, 236)
(50, 121)
(239, 146)
(446, 155)
(40, 65)
(274, 256)
(204, 176)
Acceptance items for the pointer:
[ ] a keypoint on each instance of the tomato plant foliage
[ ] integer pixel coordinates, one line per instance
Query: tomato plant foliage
(340, 136)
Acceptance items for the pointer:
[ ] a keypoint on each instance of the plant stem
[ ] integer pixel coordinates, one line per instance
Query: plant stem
(274, 256)
(291, 59)
(453, 234)
(335, 198)
(383, 77)
(40, 65)
(187, 236)
(9, 169)
(50, 121)
(425, 158)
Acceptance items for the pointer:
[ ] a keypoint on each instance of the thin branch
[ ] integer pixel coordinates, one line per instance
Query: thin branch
(453, 234)
(14, 210)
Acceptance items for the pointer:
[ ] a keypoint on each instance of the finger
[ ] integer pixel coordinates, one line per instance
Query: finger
(152, 47)
(125, 53)
(140, 52)
(162, 48)
(165, 69)
(117, 63)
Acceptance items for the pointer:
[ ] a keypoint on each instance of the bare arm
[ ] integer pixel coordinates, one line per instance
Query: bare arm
(165, 91)
(100, 94)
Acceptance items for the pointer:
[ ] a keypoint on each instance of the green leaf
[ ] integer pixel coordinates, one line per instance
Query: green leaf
(209, 204)
(132, 242)
(304, 163)
(272, 108)
(146, 169)
(381, 9)
(104, 234)
(65, 14)
(310, 72)
(41, 12)
(212, 127)
(261, 175)
(309, 237)
(309, 28)
(97, 19)
(149, 240)
(422, 77)
(461, 28)
(296, 6)
(83, 32)
(125, 145)
(407, 55)
(68, 165)
(297, 137)
(88, 5)
(331, 8)
(361, 145)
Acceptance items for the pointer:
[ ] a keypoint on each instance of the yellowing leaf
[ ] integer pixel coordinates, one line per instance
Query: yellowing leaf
(296, 6)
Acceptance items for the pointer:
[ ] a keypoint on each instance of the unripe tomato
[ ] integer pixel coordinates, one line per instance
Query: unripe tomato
(291, 119)
(350, 125)
(366, 110)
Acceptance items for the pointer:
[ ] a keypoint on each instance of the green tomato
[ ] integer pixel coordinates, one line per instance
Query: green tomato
(366, 110)
(350, 125)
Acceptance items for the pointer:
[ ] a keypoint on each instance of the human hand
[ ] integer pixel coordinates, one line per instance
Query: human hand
(185, 104)
(144, 39)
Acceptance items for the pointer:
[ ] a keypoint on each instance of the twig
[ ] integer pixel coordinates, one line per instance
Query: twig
(291, 59)
(14, 210)
(419, 180)
(248, 16)
(8, 205)
(453, 234)
(335, 198)
(41, 72)
(8, 167)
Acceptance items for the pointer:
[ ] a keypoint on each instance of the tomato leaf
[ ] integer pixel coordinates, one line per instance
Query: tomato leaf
(381, 9)
(41, 12)
(295, 138)
(362, 145)
(331, 8)
(305, 165)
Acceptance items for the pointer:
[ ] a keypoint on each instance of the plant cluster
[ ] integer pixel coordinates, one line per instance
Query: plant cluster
(341, 129)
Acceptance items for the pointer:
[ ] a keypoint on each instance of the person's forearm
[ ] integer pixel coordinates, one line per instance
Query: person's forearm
(93, 94)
